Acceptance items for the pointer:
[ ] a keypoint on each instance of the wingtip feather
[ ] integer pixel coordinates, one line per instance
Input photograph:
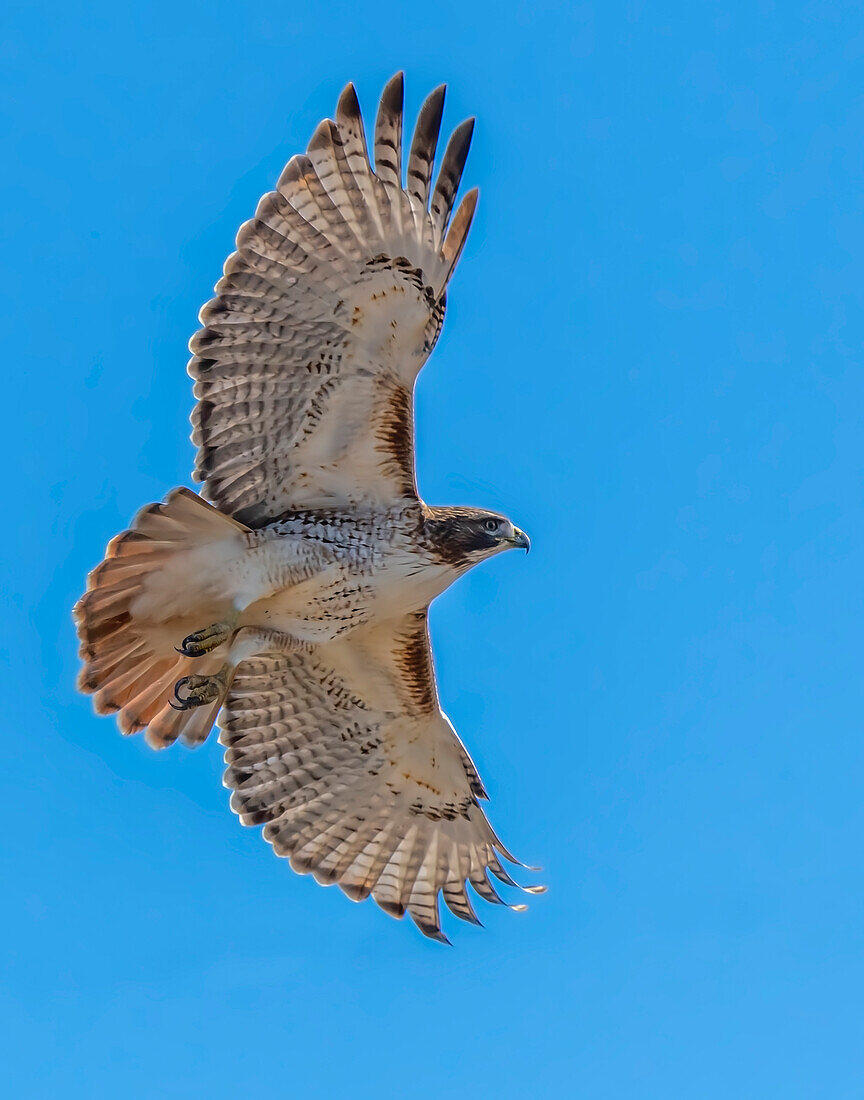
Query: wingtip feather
(388, 132)
(424, 144)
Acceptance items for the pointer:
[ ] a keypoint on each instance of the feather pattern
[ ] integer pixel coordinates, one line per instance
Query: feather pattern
(424, 144)
(326, 312)
(345, 758)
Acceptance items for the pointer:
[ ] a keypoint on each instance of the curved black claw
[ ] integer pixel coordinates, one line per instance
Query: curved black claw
(201, 690)
(190, 700)
(205, 641)
(191, 647)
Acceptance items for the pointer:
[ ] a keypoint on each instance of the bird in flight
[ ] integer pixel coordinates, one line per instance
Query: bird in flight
(290, 600)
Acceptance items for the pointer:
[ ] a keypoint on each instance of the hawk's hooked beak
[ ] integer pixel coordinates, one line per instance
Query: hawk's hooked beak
(521, 540)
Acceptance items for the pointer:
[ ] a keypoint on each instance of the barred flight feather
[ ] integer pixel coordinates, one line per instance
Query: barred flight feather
(340, 263)
(338, 782)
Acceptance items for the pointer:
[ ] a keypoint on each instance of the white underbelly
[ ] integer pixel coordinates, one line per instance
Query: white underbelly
(343, 596)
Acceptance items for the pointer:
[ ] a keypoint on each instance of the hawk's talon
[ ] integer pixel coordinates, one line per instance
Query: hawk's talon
(201, 690)
(201, 642)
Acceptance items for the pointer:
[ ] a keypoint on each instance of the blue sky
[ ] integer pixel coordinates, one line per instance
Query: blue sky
(652, 362)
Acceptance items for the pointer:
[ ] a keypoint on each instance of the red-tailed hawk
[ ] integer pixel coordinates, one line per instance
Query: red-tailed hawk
(293, 606)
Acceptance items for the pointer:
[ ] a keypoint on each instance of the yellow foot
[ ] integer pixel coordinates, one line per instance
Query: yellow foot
(200, 690)
(206, 640)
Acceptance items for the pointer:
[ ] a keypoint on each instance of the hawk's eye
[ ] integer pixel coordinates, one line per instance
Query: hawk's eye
(491, 524)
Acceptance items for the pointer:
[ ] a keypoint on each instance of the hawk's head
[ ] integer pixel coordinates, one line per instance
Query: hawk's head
(462, 537)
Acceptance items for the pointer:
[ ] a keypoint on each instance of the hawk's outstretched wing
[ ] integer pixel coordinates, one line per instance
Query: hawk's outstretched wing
(304, 371)
(345, 757)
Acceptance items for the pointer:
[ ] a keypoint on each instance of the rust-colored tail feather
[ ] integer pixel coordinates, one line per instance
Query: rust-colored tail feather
(130, 665)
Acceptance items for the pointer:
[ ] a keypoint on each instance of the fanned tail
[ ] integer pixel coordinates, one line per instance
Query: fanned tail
(130, 661)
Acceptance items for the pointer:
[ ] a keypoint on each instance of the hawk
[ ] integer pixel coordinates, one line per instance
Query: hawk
(290, 599)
